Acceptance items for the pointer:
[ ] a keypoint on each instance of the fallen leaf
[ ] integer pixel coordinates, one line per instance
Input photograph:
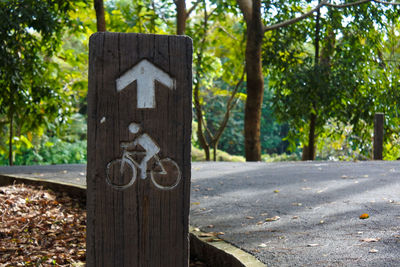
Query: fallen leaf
(195, 203)
(196, 229)
(321, 221)
(259, 223)
(295, 217)
(264, 214)
(373, 251)
(276, 191)
(296, 204)
(210, 226)
(364, 216)
(262, 245)
(210, 234)
(370, 240)
(275, 218)
(322, 190)
(312, 245)
(249, 217)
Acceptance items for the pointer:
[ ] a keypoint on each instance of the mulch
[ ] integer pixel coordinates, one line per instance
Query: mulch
(40, 227)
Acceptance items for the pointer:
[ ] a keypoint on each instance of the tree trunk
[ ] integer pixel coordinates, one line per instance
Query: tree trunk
(180, 16)
(198, 110)
(312, 137)
(215, 147)
(255, 84)
(100, 17)
(10, 148)
(309, 150)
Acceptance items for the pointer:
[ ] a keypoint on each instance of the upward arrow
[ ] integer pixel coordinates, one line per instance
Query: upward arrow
(145, 73)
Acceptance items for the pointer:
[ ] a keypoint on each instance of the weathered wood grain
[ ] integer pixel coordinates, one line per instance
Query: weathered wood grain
(140, 225)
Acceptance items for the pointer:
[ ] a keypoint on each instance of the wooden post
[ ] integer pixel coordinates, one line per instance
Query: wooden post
(139, 133)
(378, 136)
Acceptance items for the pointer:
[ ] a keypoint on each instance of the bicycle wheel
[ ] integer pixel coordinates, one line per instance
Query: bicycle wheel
(121, 174)
(168, 179)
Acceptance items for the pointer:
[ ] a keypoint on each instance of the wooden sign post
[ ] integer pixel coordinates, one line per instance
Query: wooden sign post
(139, 133)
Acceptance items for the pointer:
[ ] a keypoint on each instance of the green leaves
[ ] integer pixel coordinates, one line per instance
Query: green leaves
(353, 80)
(33, 91)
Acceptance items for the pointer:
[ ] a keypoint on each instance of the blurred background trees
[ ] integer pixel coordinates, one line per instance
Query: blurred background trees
(320, 80)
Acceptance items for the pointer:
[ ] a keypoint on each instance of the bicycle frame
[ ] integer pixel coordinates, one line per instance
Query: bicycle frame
(128, 155)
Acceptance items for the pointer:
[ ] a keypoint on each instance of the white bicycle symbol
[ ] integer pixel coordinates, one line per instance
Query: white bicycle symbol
(164, 173)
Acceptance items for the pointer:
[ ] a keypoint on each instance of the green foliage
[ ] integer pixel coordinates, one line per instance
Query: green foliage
(272, 132)
(43, 75)
(52, 151)
(64, 143)
(282, 157)
(355, 75)
(143, 16)
(32, 94)
(198, 155)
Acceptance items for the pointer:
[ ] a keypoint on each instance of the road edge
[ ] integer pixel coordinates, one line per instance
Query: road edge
(214, 252)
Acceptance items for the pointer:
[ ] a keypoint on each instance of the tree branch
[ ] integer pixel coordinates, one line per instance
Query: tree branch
(227, 33)
(321, 4)
(192, 8)
(362, 2)
(348, 4)
(229, 106)
(247, 8)
(294, 20)
(386, 3)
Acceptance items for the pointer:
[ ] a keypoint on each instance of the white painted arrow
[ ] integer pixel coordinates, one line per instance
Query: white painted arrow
(145, 73)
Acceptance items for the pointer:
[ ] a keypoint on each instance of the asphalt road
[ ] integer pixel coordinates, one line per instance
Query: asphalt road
(318, 205)
(313, 208)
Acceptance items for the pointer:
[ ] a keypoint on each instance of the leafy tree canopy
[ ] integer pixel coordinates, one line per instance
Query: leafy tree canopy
(30, 34)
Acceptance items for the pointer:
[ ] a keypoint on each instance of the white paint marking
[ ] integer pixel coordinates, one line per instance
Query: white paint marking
(134, 128)
(103, 120)
(145, 74)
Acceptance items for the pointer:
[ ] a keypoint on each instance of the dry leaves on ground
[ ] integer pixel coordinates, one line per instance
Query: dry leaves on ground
(40, 227)
(275, 218)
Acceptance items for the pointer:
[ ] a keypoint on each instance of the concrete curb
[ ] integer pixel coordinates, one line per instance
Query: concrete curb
(217, 252)
(213, 253)
(74, 190)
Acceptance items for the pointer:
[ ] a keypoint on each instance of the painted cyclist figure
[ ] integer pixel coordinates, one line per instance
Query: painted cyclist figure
(145, 141)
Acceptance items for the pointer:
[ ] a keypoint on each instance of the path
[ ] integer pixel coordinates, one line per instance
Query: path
(318, 205)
